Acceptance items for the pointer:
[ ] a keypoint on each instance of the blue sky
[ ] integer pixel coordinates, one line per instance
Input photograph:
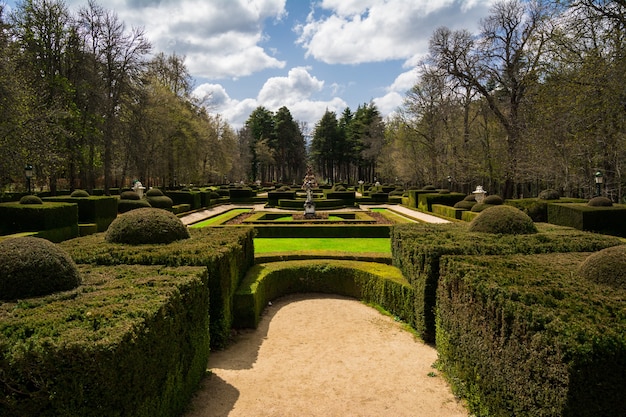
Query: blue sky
(307, 55)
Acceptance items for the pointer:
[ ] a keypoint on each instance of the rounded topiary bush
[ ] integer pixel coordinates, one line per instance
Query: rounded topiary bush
(154, 192)
(600, 202)
(549, 194)
(503, 220)
(429, 188)
(124, 206)
(213, 195)
(162, 202)
(30, 199)
(444, 191)
(79, 193)
(470, 197)
(607, 267)
(146, 225)
(480, 207)
(464, 204)
(129, 195)
(493, 200)
(31, 267)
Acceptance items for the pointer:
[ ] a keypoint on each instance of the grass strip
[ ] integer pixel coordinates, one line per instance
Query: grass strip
(220, 218)
(352, 245)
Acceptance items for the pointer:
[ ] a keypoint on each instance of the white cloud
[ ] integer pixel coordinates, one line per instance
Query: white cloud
(286, 91)
(220, 39)
(296, 91)
(378, 30)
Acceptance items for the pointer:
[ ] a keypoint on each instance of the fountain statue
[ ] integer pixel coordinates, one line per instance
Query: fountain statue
(308, 184)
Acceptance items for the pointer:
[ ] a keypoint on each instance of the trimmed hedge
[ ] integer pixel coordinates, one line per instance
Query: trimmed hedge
(53, 221)
(322, 204)
(425, 201)
(274, 196)
(100, 210)
(241, 194)
(372, 282)
(537, 208)
(447, 211)
(193, 198)
(226, 253)
(522, 335)
(608, 220)
(418, 248)
(130, 341)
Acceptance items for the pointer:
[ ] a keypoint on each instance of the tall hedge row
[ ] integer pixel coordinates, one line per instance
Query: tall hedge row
(418, 248)
(56, 221)
(524, 335)
(226, 253)
(130, 341)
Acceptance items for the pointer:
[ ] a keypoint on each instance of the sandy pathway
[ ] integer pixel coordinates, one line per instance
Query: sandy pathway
(318, 355)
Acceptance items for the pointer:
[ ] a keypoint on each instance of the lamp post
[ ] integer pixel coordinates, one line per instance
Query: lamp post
(450, 182)
(599, 180)
(28, 173)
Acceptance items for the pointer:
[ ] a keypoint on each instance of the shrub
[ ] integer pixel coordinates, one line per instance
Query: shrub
(162, 202)
(549, 194)
(464, 204)
(503, 220)
(429, 187)
(479, 207)
(154, 192)
(213, 195)
(444, 191)
(124, 206)
(30, 199)
(79, 193)
(494, 200)
(31, 267)
(470, 197)
(607, 267)
(129, 195)
(600, 202)
(146, 225)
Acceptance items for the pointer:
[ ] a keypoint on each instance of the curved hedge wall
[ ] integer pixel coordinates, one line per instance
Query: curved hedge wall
(376, 283)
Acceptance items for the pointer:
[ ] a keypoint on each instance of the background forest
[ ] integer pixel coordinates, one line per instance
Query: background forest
(536, 100)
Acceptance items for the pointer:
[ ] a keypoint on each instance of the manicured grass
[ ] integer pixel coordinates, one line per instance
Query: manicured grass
(394, 217)
(221, 218)
(364, 245)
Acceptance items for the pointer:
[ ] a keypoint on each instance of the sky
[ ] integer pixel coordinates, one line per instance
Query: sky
(310, 56)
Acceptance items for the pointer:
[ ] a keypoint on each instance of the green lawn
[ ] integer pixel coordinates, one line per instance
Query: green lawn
(221, 218)
(364, 245)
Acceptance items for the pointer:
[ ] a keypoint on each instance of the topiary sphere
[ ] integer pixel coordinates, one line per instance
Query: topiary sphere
(129, 195)
(146, 225)
(607, 267)
(600, 202)
(124, 206)
(503, 220)
(429, 188)
(162, 202)
(470, 197)
(463, 204)
(494, 200)
(480, 207)
(154, 192)
(79, 193)
(549, 194)
(31, 267)
(30, 199)
(444, 191)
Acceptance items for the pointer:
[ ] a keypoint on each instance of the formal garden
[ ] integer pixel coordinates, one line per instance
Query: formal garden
(523, 299)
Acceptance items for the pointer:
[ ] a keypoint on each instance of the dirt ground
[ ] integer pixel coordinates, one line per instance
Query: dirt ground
(320, 355)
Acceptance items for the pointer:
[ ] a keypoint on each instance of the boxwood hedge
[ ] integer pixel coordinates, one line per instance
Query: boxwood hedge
(418, 248)
(523, 335)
